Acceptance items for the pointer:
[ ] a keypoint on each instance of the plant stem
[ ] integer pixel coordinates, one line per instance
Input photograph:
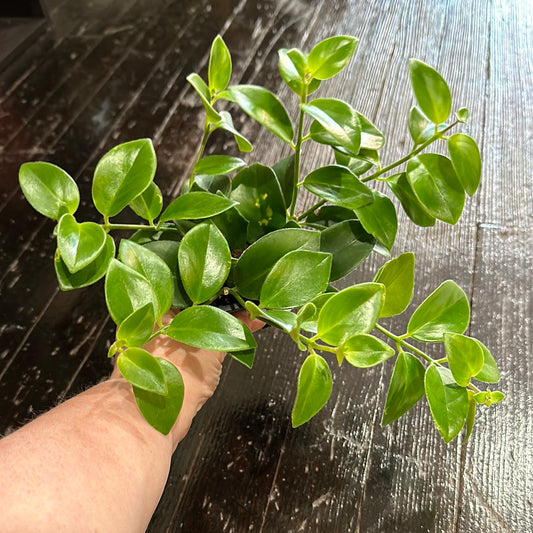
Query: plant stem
(311, 209)
(411, 154)
(203, 143)
(312, 344)
(401, 342)
(109, 226)
(298, 150)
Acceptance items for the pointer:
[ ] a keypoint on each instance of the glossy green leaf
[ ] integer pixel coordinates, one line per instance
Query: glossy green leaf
(161, 411)
(142, 370)
(463, 114)
(412, 207)
(358, 164)
(328, 57)
(258, 259)
(154, 269)
(436, 186)
(471, 416)
(202, 89)
(398, 276)
(379, 219)
(226, 123)
(137, 328)
(88, 275)
(338, 185)
(196, 205)
(126, 291)
(259, 196)
(489, 372)
(431, 91)
(149, 203)
(210, 328)
(79, 244)
(448, 402)
(204, 260)
(284, 320)
(465, 357)
(445, 310)
(314, 389)
(264, 107)
(466, 161)
(219, 70)
(351, 311)
(339, 123)
(349, 245)
(49, 189)
(168, 251)
(405, 389)
(284, 170)
(245, 357)
(233, 226)
(420, 127)
(310, 323)
(292, 68)
(329, 215)
(364, 351)
(295, 279)
(214, 184)
(371, 137)
(218, 164)
(122, 174)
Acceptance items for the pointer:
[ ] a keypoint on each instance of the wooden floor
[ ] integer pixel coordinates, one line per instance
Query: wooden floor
(109, 71)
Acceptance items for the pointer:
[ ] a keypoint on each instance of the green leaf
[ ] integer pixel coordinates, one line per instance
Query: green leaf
(349, 245)
(168, 251)
(436, 186)
(219, 70)
(202, 89)
(149, 203)
(196, 205)
(351, 311)
(379, 219)
(245, 357)
(154, 269)
(328, 57)
(142, 370)
(448, 402)
(161, 411)
(258, 259)
(314, 389)
(463, 114)
(292, 68)
(338, 185)
(445, 310)
(258, 193)
(233, 226)
(364, 351)
(338, 123)
(489, 373)
(218, 164)
(431, 91)
(126, 291)
(88, 275)
(284, 170)
(358, 164)
(420, 127)
(405, 389)
(214, 184)
(137, 328)
(471, 416)
(371, 138)
(210, 328)
(295, 279)
(329, 215)
(465, 357)
(122, 174)
(226, 123)
(398, 276)
(49, 189)
(284, 320)
(264, 107)
(204, 260)
(466, 161)
(79, 244)
(412, 207)
(310, 323)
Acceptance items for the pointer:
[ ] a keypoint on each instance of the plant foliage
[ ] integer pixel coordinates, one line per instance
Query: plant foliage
(238, 231)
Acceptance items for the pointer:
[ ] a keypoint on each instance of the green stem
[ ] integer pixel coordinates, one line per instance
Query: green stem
(401, 342)
(311, 344)
(298, 150)
(161, 331)
(236, 295)
(411, 154)
(203, 143)
(108, 226)
(311, 209)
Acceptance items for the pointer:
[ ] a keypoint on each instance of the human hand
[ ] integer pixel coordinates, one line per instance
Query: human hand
(200, 370)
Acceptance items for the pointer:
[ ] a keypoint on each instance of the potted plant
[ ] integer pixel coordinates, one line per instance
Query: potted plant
(236, 235)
